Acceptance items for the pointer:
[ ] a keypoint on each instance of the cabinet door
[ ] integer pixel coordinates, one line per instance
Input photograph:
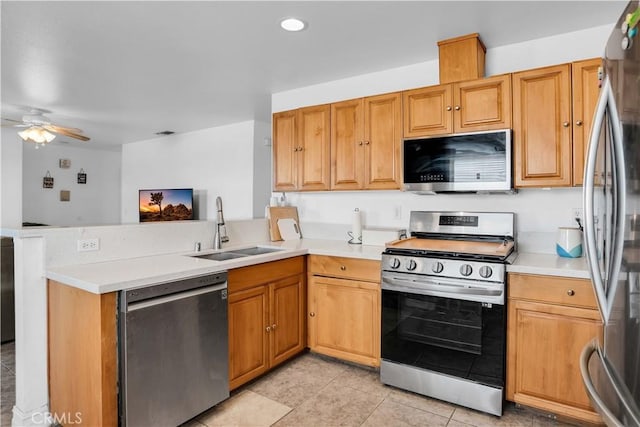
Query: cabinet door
(542, 127)
(344, 319)
(248, 340)
(313, 163)
(482, 104)
(428, 111)
(585, 97)
(287, 313)
(382, 141)
(347, 124)
(544, 345)
(284, 151)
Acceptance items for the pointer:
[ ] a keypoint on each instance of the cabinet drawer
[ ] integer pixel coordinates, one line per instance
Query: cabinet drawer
(552, 289)
(254, 275)
(349, 268)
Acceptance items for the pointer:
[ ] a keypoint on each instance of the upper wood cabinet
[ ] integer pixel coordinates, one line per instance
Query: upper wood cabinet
(366, 140)
(542, 127)
(585, 91)
(552, 112)
(301, 149)
(468, 106)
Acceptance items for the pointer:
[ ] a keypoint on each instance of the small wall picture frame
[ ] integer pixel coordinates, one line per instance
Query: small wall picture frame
(82, 177)
(47, 181)
(65, 195)
(65, 163)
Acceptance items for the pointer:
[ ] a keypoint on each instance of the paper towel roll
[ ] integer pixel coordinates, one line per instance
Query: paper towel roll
(356, 227)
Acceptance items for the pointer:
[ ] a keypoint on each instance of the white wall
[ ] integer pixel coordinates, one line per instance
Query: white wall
(261, 168)
(214, 162)
(96, 202)
(538, 211)
(10, 179)
(566, 47)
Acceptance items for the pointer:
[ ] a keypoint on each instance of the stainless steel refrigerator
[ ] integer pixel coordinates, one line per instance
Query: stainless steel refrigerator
(611, 366)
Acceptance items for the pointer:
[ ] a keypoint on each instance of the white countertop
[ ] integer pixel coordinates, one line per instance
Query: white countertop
(103, 277)
(550, 265)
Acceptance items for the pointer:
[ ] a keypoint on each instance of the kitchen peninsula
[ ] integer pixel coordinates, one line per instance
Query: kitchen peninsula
(49, 253)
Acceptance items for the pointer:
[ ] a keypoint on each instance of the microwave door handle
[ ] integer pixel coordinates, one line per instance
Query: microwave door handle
(588, 198)
(609, 418)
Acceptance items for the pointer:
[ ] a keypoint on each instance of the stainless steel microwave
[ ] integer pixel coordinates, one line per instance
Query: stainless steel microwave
(469, 162)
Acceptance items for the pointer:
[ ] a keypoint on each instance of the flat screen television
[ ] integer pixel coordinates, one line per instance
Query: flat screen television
(173, 204)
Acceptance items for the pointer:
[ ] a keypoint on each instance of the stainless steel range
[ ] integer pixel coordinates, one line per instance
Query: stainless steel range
(443, 307)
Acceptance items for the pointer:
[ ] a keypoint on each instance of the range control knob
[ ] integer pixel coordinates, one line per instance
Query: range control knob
(412, 265)
(485, 272)
(395, 263)
(437, 267)
(466, 270)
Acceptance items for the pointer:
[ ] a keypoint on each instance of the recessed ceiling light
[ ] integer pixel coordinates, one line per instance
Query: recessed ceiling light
(292, 24)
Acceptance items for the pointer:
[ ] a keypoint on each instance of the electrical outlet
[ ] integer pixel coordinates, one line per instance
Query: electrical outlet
(86, 245)
(397, 212)
(577, 213)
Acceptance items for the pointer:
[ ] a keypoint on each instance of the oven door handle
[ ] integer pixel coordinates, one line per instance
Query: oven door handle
(436, 288)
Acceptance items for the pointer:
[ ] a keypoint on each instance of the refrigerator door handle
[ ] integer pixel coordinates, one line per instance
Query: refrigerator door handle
(588, 198)
(608, 417)
(620, 195)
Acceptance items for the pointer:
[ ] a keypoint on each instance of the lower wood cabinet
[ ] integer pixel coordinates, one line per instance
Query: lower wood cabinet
(344, 308)
(550, 320)
(266, 317)
(83, 349)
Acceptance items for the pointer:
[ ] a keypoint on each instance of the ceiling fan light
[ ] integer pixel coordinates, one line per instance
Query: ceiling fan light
(37, 135)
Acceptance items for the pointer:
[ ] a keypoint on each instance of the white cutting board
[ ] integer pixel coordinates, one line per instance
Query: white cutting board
(289, 229)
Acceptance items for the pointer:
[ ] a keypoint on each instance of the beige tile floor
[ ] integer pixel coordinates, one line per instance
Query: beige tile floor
(7, 382)
(313, 390)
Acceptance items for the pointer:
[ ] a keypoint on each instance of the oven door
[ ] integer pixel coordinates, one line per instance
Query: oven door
(425, 324)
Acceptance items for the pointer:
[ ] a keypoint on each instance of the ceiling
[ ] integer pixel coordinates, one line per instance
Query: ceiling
(123, 70)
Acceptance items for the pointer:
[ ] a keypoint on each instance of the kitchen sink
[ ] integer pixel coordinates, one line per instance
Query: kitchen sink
(255, 251)
(221, 256)
(237, 253)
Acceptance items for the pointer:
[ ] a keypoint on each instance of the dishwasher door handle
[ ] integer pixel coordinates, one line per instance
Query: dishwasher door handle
(139, 305)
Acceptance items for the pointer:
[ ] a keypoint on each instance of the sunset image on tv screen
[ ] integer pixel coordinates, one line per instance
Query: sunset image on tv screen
(166, 205)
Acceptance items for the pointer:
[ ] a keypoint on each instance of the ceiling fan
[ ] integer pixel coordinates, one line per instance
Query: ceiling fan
(39, 129)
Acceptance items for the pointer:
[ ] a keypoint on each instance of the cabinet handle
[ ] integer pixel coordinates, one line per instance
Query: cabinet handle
(273, 327)
(300, 148)
(343, 268)
(579, 123)
(571, 292)
(268, 328)
(457, 108)
(565, 124)
(295, 149)
(366, 143)
(448, 107)
(359, 142)
(312, 314)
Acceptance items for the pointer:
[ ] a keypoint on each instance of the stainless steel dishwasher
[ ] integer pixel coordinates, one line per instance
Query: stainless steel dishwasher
(173, 350)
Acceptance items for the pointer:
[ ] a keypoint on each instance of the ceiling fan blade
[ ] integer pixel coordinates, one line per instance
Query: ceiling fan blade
(11, 120)
(55, 128)
(20, 125)
(65, 132)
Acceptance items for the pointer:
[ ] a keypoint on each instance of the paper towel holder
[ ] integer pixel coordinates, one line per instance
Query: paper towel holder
(355, 237)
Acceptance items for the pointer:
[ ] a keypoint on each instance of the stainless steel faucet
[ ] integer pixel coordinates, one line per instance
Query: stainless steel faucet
(221, 230)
